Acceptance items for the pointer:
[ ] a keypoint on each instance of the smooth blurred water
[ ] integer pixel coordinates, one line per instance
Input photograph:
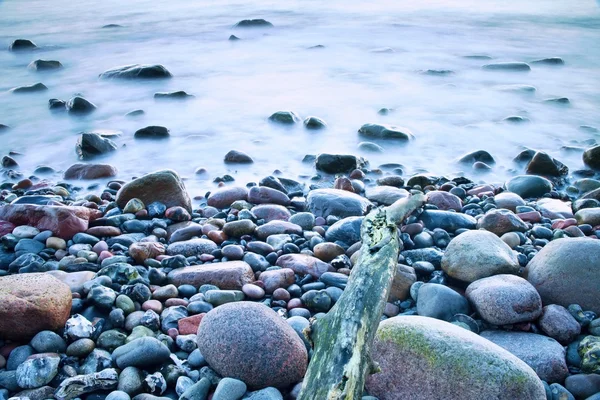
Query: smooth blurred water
(239, 84)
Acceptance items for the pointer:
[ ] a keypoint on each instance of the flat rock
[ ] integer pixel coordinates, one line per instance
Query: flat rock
(422, 358)
(277, 227)
(304, 264)
(226, 196)
(230, 275)
(31, 303)
(267, 195)
(508, 67)
(447, 220)
(192, 247)
(336, 163)
(64, 222)
(385, 132)
(137, 71)
(386, 195)
(339, 203)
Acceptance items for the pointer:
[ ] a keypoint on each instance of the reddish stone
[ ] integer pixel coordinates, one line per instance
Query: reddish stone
(225, 275)
(275, 279)
(530, 216)
(142, 214)
(564, 223)
(304, 264)
(23, 184)
(480, 190)
(104, 255)
(31, 303)
(63, 221)
(189, 325)
(271, 212)
(90, 204)
(217, 236)
(141, 251)
(224, 197)
(206, 257)
(343, 183)
(178, 214)
(153, 305)
(163, 186)
(173, 333)
(412, 229)
(100, 247)
(208, 228)
(176, 302)
(6, 227)
(357, 174)
(444, 200)
(266, 195)
(294, 303)
(104, 231)
(90, 171)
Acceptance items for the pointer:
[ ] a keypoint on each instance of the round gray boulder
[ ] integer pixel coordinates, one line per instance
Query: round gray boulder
(567, 271)
(478, 254)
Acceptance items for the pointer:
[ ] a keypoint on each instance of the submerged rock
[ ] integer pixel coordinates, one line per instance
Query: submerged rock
(285, 117)
(508, 66)
(45, 65)
(22, 45)
(79, 105)
(37, 87)
(253, 23)
(385, 132)
(137, 71)
(90, 145)
(152, 132)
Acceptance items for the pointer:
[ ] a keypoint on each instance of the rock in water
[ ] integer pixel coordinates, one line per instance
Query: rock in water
(281, 361)
(567, 271)
(422, 358)
(336, 163)
(528, 186)
(237, 157)
(385, 132)
(178, 95)
(90, 145)
(314, 123)
(152, 132)
(137, 71)
(44, 65)
(30, 303)
(163, 186)
(591, 157)
(285, 117)
(478, 254)
(37, 87)
(90, 171)
(22, 45)
(545, 355)
(508, 66)
(80, 106)
(253, 23)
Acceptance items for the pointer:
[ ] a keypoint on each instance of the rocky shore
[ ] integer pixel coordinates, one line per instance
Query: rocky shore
(140, 292)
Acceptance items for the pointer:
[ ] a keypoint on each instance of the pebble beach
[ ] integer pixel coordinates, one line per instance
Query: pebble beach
(198, 274)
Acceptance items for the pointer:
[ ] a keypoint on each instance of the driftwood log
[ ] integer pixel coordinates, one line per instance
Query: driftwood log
(342, 339)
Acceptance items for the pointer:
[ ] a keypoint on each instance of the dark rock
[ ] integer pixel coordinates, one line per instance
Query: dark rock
(544, 165)
(80, 106)
(137, 71)
(165, 187)
(508, 66)
(253, 23)
(440, 302)
(385, 132)
(337, 163)
(549, 61)
(178, 95)
(529, 186)
(314, 123)
(22, 45)
(152, 132)
(477, 156)
(90, 145)
(237, 157)
(285, 117)
(591, 157)
(44, 65)
(37, 87)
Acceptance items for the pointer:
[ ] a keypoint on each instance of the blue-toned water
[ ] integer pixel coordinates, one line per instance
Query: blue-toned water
(372, 57)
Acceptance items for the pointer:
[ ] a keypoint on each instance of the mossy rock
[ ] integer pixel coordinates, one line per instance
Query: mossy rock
(425, 358)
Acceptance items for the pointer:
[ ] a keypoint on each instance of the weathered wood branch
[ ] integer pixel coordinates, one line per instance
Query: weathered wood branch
(343, 338)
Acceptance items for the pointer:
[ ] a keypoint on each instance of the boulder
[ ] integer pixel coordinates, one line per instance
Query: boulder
(591, 157)
(230, 275)
(441, 302)
(163, 186)
(31, 303)
(543, 354)
(558, 323)
(22, 45)
(339, 203)
(544, 165)
(473, 255)
(505, 299)
(90, 171)
(237, 157)
(44, 65)
(567, 271)
(423, 358)
(281, 361)
(137, 71)
(79, 106)
(63, 221)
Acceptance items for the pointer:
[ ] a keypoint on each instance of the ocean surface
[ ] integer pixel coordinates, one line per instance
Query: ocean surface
(374, 56)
